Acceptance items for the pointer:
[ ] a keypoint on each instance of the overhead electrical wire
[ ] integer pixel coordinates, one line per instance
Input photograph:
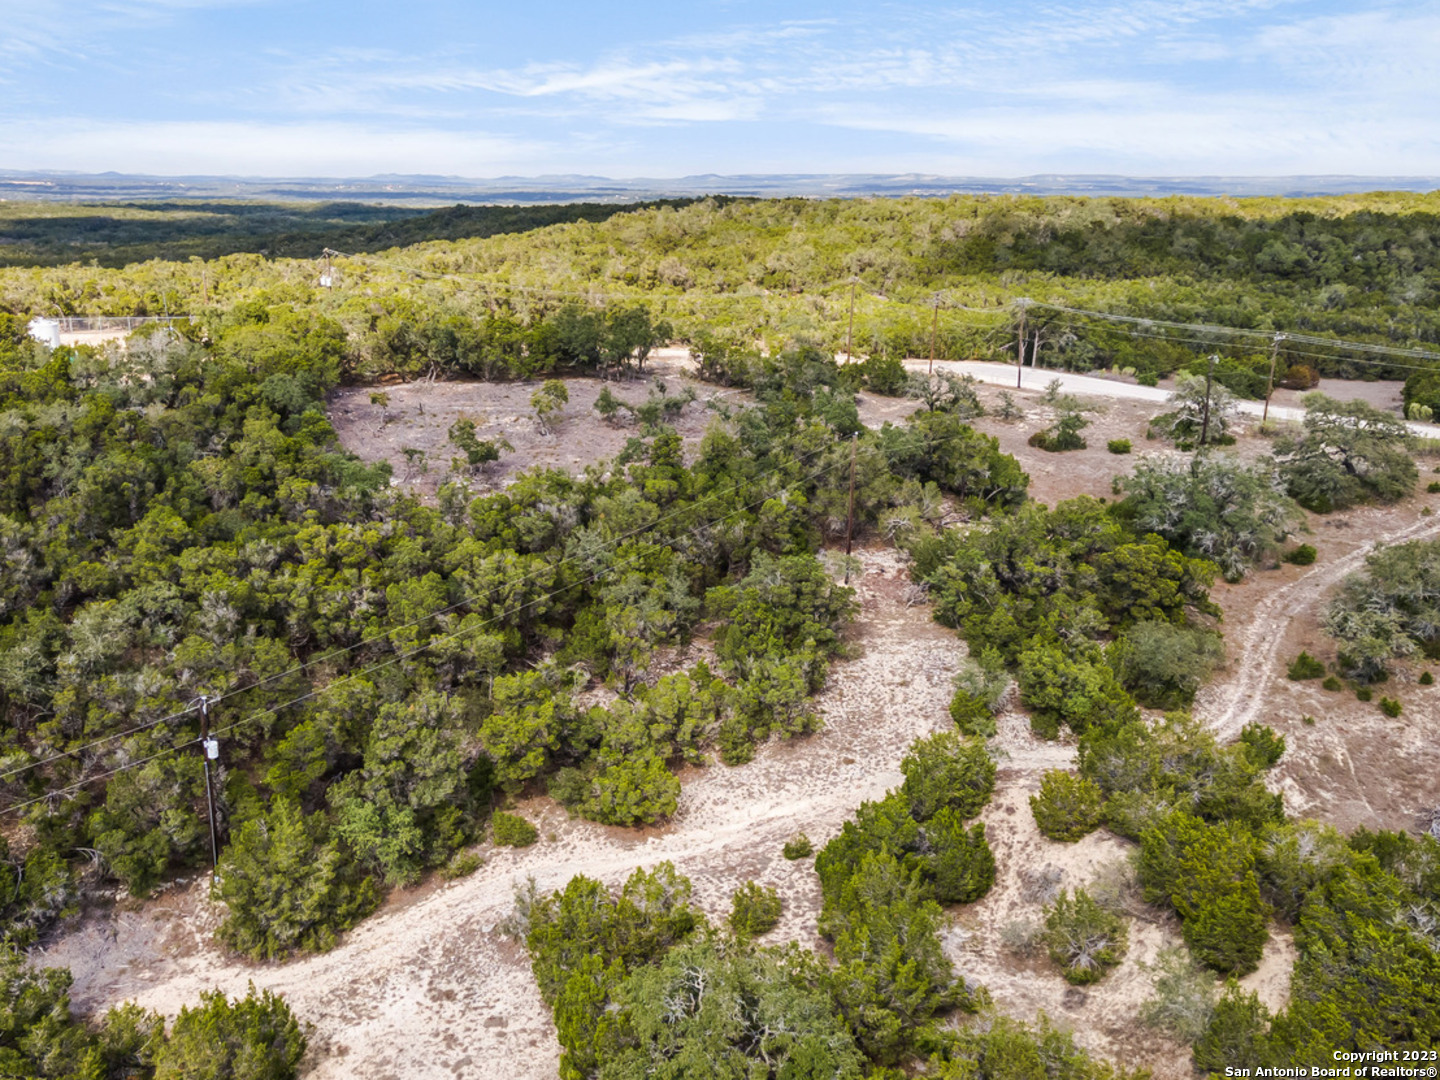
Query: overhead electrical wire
(390, 661)
(380, 637)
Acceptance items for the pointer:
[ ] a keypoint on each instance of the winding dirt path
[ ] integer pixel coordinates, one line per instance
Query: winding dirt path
(429, 988)
(1238, 698)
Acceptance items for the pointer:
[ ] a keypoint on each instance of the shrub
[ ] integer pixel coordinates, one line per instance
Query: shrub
(287, 886)
(1305, 667)
(461, 864)
(1163, 664)
(1148, 378)
(1184, 997)
(1064, 434)
(960, 861)
(1215, 507)
(1363, 693)
(971, 715)
(1021, 936)
(512, 830)
(255, 1038)
(754, 910)
(1303, 555)
(1235, 1037)
(947, 771)
(1207, 874)
(1308, 721)
(798, 847)
(1349, 452)
(1262, 745)
(1433, 486)
(1068, 806)
(1426, 679)
(1118, 446)
(1332, 683)
(885, 375)
(1390, 707)
(1083, 938)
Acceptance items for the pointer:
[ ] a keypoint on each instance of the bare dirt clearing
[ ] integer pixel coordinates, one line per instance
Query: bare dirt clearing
(428, 987)
(419, 416)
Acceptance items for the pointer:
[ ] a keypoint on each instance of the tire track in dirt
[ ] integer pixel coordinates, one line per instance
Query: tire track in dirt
(1227, 706)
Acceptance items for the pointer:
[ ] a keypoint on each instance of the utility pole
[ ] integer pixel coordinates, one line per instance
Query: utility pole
(850, 515)
(1020, 343)
(1205, 418)
(850, 331)
(934, 325)
(1270, 382)
(211, 750)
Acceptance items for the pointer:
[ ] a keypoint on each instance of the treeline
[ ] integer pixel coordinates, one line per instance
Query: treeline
(178, 521)
(775, 273)
(122, 233)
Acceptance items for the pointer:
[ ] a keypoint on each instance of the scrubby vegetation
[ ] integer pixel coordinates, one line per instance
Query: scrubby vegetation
(253, 1038)
(178, 522)
(1388, 611)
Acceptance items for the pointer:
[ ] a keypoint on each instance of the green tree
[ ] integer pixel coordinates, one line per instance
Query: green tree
(287, 887)
(754, 910)
(255, 1038)
(1067, 807)
(731, 1014)
(947, 771)
(1193, 399)
(1235, 1038)
(1207, 873)
(1162, 664)
(548, 402)
(1349, 452)
(1212, 506)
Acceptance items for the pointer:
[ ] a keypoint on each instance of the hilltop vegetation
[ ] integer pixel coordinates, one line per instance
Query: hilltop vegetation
(121, 233)
(777, 272)
(384, 672)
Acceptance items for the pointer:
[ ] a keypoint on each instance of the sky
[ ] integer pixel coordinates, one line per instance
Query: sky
(998, 88)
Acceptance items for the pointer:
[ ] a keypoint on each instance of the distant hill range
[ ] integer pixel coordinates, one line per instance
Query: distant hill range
(448, 190)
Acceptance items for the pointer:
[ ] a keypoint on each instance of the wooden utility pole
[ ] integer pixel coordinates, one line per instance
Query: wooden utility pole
(934, 326)
(210, 749)
(1270, 382)
(850, 515)
(850, 331)
(1020, 344)
(1205, 417)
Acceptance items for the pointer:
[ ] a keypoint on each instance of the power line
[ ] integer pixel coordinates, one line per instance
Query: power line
(273, 709)
(301, 699)
(1268, 335)
(546, 568)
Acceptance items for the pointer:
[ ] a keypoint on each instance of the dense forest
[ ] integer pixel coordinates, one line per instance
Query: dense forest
(122, 233)
(769, 273)
(185, 542)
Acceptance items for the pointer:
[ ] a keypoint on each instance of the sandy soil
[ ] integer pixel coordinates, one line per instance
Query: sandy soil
(420, 414)
(428, 988)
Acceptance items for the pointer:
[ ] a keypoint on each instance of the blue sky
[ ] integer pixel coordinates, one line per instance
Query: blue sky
(259, 88)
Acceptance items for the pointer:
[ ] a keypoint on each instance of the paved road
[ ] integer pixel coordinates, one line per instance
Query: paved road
(1039, 378)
